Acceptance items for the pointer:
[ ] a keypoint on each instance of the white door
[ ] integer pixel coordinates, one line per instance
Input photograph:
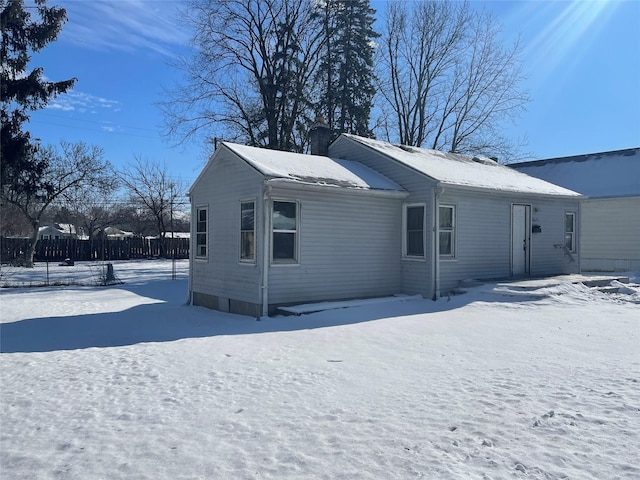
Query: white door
(520, 227)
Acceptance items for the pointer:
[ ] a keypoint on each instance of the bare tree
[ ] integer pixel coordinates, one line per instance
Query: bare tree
(152, 188)
(446, 81)
(75, 168)
(96, 209)
(250, 76)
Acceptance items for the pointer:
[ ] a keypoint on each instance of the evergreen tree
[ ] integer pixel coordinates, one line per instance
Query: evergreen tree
(23, 91)
(346, 74)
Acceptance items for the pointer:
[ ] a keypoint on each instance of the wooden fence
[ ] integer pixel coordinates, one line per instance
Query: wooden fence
(13, 249)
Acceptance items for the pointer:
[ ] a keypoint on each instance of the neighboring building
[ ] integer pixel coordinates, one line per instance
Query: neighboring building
(113, 233)
(610, 226)
(56, 231)
(182, 235)
(273, 228)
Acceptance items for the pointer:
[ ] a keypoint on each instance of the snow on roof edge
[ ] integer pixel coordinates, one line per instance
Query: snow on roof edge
(464, 171)
(316, 170)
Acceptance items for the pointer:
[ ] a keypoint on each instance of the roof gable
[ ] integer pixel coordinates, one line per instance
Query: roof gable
(462, 170)
(596, 175)
(313, 169)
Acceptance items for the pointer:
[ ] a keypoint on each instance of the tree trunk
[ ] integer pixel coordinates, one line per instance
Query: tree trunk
(31, 251)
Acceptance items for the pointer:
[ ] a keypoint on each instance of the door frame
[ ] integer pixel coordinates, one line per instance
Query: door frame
(527, 239)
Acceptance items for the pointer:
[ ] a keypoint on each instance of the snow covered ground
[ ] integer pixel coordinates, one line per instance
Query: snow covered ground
(128, 382)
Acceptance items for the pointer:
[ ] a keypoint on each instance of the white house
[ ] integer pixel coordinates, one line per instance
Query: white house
(54, 231)
(273, 228)
(610, 227)
(113, 233)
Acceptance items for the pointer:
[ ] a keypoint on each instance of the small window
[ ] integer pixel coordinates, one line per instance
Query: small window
(247, 232)
(201, 232)
(570, 231)
(414, 231)
(447, 228)
(285, 232)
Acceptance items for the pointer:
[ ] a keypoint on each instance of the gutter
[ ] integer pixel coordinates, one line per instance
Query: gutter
(437, 190)
(570, 195)
(334, 189)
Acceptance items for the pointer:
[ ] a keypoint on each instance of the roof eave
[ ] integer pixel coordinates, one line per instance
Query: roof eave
(290, 184)
(574, 195)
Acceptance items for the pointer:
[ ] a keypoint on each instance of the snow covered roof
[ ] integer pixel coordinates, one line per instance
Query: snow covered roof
(116, 232)
(67, 228)
(313, 169)
(596, 175)
(463, 170)
(177, 235)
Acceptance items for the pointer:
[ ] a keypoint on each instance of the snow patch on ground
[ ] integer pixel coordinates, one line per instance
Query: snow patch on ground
(127, 381)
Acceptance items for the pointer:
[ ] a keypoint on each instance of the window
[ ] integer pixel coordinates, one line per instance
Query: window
(447, 227)
(247, 232)
(414, 231)
(285, 232)
(570, 231)
(201, 232)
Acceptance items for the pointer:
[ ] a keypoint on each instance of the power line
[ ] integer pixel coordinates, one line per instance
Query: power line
(100, 122)
(96, 130)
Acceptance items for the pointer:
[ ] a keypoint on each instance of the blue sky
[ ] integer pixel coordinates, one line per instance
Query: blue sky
(581, 59)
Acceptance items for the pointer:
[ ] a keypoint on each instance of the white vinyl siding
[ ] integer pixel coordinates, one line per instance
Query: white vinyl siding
(414, 231)
(609, 234)
(248, 232)
(415, 275)
(222, 186)
(349, 247)
(202, 228)
(483, 237)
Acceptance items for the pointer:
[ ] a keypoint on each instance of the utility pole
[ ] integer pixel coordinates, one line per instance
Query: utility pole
(171, 244)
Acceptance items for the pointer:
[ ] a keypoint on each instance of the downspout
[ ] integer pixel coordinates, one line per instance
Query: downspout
(578, 229)
(437, 190)
(266, 230)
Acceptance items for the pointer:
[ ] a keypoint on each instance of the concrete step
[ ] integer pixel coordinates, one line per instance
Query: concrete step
(603, 282)
(607, 289)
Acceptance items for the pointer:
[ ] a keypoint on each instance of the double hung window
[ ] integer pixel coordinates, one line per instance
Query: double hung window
(201, 232)
(247, 232)
(447, 229)
(414, 231)
(285, 232)
(570, 231)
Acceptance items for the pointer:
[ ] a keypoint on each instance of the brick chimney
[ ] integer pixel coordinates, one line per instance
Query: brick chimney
(320, 137)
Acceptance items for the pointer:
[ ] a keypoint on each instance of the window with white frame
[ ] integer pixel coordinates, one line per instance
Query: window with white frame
(570, 231)
(447, 228)
(414, 231)
(285, 232)
(247, 232)
(201, 232)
